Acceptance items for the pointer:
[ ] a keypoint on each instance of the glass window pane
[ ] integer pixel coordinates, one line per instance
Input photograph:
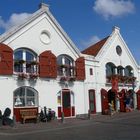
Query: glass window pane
(29, 56)
(30, 93)
(91, 106)
(18, 55)
(66, 100)
(20, 92)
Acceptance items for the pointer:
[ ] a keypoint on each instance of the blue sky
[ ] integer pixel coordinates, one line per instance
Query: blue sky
(85, 21)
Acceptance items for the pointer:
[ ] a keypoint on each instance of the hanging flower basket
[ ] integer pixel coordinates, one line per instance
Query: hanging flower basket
(71, 79)
(33, 75)
(22, 76)
(34, 63)
(63, 78)
(63, 66)
(21, 61)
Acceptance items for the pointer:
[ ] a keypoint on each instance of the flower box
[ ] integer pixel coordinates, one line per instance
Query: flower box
(71, 79)
(22, 76)
(63, 78)
(33, 75)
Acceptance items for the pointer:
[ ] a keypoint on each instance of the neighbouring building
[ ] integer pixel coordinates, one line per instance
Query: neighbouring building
(40, 66)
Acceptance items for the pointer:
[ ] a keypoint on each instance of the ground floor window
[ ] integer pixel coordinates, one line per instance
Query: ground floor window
(25, 97)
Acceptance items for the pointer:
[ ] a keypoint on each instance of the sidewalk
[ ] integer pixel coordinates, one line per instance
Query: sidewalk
(57, 124)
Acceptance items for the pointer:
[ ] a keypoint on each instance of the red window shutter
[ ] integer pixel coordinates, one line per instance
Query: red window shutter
(6, 60)
(80, 68)
(47, 65)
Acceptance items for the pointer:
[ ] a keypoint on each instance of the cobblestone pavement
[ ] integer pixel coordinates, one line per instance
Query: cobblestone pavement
(97, 127)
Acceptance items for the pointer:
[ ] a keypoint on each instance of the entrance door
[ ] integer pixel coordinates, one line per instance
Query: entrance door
(66, 103)
(92, 102)
(122, 100)
(138, 100)
(104, 101)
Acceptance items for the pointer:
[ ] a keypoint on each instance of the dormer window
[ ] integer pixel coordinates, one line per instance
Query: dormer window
(25, 61)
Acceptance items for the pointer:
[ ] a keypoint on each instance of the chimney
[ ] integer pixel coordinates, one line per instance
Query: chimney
(43, 6)
(116, 29)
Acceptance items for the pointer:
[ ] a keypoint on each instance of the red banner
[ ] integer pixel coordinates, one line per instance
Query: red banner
(114, 82)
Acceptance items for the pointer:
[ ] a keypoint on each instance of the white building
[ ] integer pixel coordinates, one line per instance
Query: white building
(40, 66)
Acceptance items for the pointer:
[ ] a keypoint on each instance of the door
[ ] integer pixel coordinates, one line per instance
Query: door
(104, 101)
(138, 100)
(92, 101)
(122, 100)
(66, 103)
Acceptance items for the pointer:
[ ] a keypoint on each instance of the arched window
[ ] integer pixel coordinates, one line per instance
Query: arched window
(25, 97)
(66, 65)
(129, 71)
(25, 60)
(120, 70)
(110, 69)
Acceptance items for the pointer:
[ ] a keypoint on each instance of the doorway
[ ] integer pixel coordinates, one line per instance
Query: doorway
(92, 101)
(67, 103)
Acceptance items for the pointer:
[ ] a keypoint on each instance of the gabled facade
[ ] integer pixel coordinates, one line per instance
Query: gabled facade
(114, 69)
(40, 66)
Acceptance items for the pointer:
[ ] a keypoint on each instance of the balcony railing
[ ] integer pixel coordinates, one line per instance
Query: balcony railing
(67, 78)
(121, 79)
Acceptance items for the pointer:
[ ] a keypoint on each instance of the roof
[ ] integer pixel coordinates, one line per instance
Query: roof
(94, 49)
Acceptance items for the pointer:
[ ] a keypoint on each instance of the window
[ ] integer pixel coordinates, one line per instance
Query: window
(110, 69)
(129, 71)
(25, 61)
(25, 97)
(118, 50)
(120, 70)
(66, 65)
(91, 71)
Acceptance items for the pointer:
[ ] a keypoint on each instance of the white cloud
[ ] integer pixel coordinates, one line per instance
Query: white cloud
(113, 8)
(15, 19)
(92, 40)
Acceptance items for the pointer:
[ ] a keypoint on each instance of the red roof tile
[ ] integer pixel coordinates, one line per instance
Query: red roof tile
(94, 49)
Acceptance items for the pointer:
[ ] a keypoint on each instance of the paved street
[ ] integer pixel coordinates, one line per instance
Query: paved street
(121, 126)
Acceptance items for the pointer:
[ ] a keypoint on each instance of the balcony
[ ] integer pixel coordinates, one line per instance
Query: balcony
(121, 79)
(67, 78)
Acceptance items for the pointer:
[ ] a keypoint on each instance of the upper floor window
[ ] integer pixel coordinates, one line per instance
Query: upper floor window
(110, 69)
(118, 50)
(120, 70)
(129, 71)
(25, 61)
(66, 65)
(91, 71)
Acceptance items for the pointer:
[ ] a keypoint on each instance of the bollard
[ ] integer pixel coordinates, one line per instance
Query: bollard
(0, 122)
(14, 121)
(89, 116)
(0, 118)
(62, 117)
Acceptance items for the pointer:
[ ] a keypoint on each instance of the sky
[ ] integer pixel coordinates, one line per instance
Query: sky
(85, 21)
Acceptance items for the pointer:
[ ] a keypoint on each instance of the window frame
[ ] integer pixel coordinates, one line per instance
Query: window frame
(65, 66)
(23, 64)
(25, 98)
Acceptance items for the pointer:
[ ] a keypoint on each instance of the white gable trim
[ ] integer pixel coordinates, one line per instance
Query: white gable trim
(4, 37)
(109, 42)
